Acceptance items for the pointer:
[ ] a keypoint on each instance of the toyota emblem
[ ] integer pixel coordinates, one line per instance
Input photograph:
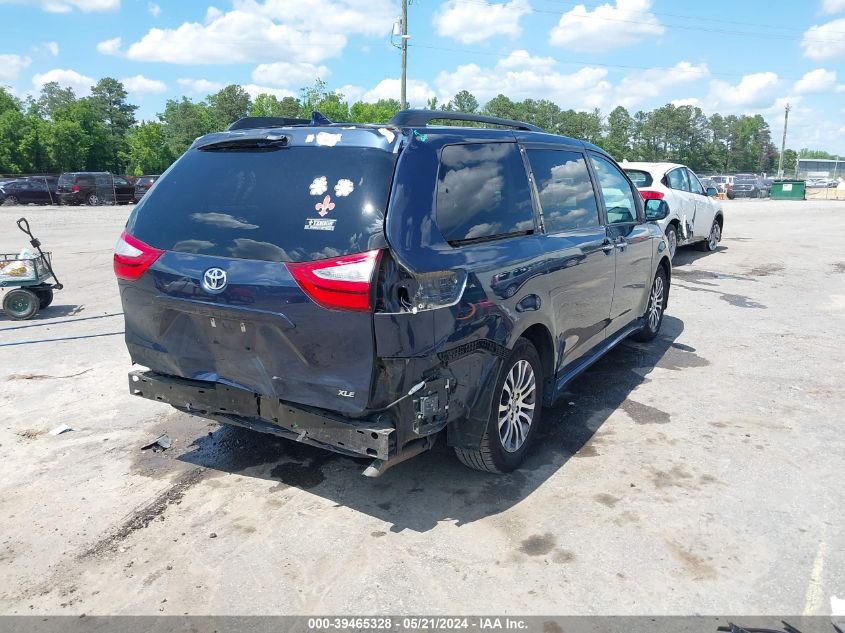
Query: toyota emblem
(214, 280)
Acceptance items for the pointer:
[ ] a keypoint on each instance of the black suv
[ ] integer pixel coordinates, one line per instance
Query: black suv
(29, 190)
(95, 187)
(364, 287)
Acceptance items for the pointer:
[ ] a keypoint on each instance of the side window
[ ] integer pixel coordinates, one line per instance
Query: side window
(483, 192)
(121, 182)
(565, 189)
(677, 179)
(38, 185)
(615, 190)
(694, 184)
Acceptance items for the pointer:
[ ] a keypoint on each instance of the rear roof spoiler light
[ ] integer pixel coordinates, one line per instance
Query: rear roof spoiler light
(338, 283)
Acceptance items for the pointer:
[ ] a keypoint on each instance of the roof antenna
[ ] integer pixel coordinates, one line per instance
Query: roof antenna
(319, 119)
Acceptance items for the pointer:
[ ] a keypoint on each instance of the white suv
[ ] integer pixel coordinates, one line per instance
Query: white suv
(695, 216)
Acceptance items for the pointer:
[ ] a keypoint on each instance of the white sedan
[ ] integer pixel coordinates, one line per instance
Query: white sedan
(695, 216)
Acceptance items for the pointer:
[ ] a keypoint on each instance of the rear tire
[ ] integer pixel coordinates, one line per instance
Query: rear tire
(20, 304)
(45, 296)
(92, 200)
(11, 200)
(672, 240)
(514, 416)
(656, 306)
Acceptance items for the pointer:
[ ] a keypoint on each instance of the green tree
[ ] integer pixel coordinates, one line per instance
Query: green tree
(270, 105)
(53, 98)
(229, 105)
(108, 99)
(379, 112)
(317, 98)
(34, 144)
(502, 107)
(69, 145)
(147, 149)
(464, 101)
(184, 121)
(790, 161)
(620, 132)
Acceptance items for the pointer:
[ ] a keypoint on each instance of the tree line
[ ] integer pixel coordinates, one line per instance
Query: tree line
(58, 131)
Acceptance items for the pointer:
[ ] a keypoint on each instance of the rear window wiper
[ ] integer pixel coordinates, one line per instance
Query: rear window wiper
(250, 143)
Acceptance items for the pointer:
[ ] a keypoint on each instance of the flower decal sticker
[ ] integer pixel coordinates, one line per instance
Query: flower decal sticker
(318, 186)
(343, 187)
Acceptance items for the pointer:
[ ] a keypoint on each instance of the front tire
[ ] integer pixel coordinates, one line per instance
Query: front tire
(712, 242)
(656, 306)
(11, 201)
(514, 416)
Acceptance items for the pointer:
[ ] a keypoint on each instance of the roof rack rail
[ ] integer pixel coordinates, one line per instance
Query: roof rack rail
(421, 118)
(253, 122)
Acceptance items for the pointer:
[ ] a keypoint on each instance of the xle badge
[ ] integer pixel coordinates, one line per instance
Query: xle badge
(346, 394)
(320, 224)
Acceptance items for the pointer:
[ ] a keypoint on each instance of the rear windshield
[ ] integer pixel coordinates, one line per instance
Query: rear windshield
(745, 179)
(288, 205)
(66, 179)
(640, 178)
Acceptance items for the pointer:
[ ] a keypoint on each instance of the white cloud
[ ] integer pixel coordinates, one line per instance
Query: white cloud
(689, 101)
(607, 27)
(52, 47)
(753, 92)
(254, 90)
(824, 41)
(523, 59)
(630, 90)
(418, 92)
(289, 73)
(110, 47)
(66, 78)
(11, 66)
(818, 80)
(141, 85)
(352, 93)
(265, 31)
(200, 86)
(66, 6)
(585, 89)
(154, 9)
(469, 24)
(833, 6)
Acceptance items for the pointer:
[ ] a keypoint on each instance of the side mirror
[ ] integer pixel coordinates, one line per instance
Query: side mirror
(712, 191)
(656, 210)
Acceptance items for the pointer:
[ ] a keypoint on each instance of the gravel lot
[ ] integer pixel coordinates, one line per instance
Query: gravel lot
(699, 474)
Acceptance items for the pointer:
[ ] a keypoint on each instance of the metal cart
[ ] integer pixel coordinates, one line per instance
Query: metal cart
(29, 279)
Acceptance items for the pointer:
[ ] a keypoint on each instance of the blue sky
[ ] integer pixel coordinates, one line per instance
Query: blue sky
(729, 57)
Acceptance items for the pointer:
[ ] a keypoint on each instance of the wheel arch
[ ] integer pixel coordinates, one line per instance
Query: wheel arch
(667, 268)
(541, 338)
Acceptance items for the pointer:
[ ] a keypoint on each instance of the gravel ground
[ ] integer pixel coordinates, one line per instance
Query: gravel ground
(698, 474)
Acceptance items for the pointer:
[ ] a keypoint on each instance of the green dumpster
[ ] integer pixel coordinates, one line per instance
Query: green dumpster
(788, 190)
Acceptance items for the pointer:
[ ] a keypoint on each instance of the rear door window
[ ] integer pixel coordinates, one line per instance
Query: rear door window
(677, 179)
(565, 189)
(483, 193)
(287, 205)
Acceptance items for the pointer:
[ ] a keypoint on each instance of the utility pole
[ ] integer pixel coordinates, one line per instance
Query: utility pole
(405, 38)
(783, 142)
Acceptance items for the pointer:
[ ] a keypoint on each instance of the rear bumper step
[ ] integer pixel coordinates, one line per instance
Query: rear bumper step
(365, 438)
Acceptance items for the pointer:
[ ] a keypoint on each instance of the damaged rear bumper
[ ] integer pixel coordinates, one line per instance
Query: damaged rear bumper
(231, 405)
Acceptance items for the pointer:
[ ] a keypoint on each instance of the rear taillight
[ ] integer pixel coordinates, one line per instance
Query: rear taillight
(76, 189)
(132, 257)
(652, 195)
(339, 283)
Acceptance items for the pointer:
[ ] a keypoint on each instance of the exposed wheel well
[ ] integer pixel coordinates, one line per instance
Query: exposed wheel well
(541, 338)
(721, 220)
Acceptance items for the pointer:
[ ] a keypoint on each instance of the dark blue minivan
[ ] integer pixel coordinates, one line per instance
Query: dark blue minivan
(363, 288)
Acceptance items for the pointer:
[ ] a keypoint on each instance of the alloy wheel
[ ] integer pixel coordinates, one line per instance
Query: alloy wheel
(516, 406)
(655, 303)
(715, 236)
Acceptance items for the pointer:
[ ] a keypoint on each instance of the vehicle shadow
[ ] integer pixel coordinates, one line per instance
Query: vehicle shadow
(434, 486)
(689, 254)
